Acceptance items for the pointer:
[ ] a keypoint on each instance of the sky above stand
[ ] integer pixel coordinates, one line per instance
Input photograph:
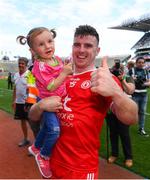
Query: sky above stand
(19, 17)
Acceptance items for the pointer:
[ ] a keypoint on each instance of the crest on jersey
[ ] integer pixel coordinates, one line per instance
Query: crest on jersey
(86, 84)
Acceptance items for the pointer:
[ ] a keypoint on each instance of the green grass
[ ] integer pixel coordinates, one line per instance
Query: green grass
(140, 148)
(140, 145)
(5, 96)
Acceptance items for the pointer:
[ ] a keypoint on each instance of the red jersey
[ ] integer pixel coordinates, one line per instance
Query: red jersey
(81, 121)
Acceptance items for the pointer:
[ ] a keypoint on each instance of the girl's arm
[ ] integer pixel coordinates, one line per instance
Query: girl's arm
(67, 70)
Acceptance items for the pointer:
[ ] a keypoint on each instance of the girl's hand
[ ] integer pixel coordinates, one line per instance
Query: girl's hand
(67, 69)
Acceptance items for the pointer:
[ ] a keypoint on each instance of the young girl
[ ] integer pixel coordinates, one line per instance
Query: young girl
(50, 74)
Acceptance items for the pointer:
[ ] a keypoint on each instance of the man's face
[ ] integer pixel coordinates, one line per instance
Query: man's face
(84, 51)
(140, 63)
(22, 66)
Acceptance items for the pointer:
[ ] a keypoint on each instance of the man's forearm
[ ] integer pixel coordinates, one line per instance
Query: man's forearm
(125, 108)
(35, 112)
(50, 104)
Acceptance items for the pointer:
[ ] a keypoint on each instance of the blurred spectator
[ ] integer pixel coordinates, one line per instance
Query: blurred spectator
(142, 81)
(10, 80)
(19, 96)
(130, 65)
(117, 68)
(116, 127)
(5, 58)
(32, 95)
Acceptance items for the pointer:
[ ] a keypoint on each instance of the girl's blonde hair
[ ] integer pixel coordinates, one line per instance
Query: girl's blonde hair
(32, 34)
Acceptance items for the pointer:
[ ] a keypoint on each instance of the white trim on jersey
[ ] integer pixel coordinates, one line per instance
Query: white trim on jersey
(140, 90)
(90, 176)
(84, 72)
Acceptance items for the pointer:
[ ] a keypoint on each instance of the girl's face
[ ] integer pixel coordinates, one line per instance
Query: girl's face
(43, 45)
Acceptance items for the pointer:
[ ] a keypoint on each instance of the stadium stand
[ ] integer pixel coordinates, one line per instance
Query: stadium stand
(7, 66)
(143, 43)
(142, 47)
(142, 24)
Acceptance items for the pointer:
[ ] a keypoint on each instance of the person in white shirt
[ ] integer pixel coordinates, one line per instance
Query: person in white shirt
(19, 96)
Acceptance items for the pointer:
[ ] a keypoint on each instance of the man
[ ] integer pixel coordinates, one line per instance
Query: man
(19, 96)
(83, 109)
(10, 82)
(142, 81)
(117, 129)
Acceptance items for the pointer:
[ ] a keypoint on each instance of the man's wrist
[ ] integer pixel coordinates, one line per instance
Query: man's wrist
(39, 106)
(118, 93)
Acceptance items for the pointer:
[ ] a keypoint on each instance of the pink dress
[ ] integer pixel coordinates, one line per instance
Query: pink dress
(45, 74)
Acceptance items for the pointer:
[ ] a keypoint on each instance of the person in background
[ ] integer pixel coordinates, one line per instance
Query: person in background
(50, 74)
(116, 127)
(142, 82)
(82, 110)
(19, 96)
(130, 65)
(32, 96)
(10, 82)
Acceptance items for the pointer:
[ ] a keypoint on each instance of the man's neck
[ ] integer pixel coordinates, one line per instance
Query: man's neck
(82, 70)
(21, 72)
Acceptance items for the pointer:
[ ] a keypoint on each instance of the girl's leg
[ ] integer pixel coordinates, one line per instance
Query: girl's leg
(52, 131)
(41, 134)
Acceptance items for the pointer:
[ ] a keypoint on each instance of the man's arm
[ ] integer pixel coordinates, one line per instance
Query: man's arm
(50, 104)
(14, 99)
(125, 108)
(103, 83)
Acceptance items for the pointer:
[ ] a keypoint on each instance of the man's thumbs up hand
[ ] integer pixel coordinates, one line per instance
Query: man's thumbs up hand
(104, 63)
(102, 80)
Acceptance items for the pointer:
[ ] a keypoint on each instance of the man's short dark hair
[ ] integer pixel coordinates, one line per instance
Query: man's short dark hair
(85, 30)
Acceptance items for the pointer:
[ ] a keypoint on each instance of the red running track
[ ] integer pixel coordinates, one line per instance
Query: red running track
(16, 164)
